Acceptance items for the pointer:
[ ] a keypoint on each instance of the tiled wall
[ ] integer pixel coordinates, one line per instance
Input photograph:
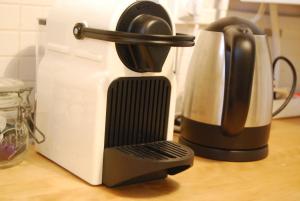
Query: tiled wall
(18, 31)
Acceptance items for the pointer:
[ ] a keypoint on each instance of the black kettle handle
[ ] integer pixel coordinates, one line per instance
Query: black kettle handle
(239, 72)
(294, 84)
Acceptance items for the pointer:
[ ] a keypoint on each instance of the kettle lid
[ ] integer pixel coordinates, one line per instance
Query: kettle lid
(220, 24)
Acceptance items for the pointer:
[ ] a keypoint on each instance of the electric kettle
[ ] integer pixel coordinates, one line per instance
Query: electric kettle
(229, 93)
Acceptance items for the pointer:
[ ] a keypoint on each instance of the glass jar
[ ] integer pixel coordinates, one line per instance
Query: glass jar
(15, 121)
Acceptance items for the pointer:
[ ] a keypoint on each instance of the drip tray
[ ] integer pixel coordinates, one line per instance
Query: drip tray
(144, 162)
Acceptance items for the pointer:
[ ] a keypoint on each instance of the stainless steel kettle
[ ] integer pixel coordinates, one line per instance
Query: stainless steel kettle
(229, 93)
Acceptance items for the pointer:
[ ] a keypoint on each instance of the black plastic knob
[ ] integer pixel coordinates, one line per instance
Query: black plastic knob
(148, 58)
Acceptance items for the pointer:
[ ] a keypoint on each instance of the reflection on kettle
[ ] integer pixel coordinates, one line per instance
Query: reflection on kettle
(228, 99)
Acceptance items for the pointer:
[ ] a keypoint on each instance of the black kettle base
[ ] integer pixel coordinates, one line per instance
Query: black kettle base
(227, 155)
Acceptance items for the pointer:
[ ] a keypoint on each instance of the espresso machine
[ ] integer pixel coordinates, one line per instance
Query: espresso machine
(106, 91)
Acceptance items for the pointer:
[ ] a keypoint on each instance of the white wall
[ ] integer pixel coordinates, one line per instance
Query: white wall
(289, 41)
(18, 31)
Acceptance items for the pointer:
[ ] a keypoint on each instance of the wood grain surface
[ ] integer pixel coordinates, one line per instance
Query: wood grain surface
(275, 178)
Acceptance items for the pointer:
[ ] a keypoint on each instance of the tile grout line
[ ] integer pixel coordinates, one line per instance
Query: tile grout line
(19, 29)
(19, 45)
(26, 4)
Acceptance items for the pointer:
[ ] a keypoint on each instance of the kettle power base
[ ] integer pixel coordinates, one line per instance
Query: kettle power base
(226, 155)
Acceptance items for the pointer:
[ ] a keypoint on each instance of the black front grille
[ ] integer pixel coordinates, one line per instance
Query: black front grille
(137, 111)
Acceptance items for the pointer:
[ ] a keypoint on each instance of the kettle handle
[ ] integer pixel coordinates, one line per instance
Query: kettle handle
(294, 84)
(239, 72)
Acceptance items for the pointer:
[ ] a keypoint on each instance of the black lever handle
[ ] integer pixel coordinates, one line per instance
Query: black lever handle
(81, 31)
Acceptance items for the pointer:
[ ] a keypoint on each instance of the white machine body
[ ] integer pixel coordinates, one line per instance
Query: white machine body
(72, 84)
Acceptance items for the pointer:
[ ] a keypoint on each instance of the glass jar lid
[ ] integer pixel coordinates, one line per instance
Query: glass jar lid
(9, 84)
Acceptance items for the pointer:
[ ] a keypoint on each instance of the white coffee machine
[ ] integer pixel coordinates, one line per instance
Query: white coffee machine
(106, 91)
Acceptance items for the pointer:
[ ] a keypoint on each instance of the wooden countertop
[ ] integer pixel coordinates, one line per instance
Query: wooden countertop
(275, 178)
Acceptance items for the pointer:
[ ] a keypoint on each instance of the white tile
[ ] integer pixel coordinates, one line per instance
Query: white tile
(27, 68)
(38, 2)
(9, 41)
(28, 43)
(9, 67)
(9, 16)
(10, 1)
(30, 15)
(29, 2)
